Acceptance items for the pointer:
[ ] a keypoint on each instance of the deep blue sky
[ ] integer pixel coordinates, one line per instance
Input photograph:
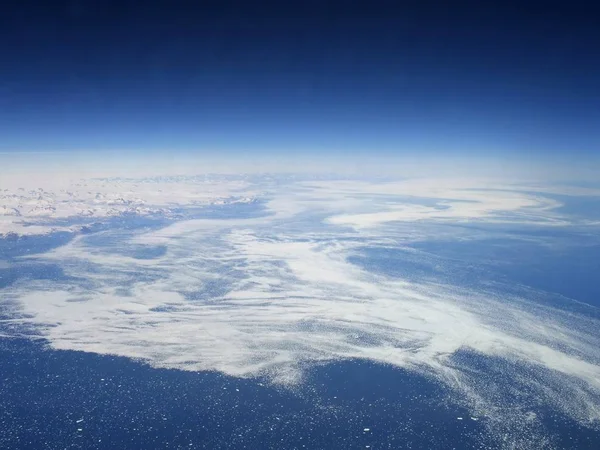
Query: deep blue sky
(317, 76)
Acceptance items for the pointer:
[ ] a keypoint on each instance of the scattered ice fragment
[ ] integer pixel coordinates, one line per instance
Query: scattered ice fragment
(79, 420)
(79, 429)
(530, 415)
(459, 418)
(366, 429)
(474, 418)
(237, 390)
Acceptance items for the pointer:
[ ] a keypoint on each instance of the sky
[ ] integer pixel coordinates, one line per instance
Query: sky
(337, 78)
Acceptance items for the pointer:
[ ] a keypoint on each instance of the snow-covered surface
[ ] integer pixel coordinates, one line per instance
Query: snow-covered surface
(54, 202)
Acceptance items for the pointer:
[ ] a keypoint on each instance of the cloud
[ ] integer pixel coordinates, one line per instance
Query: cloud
(275, 294)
